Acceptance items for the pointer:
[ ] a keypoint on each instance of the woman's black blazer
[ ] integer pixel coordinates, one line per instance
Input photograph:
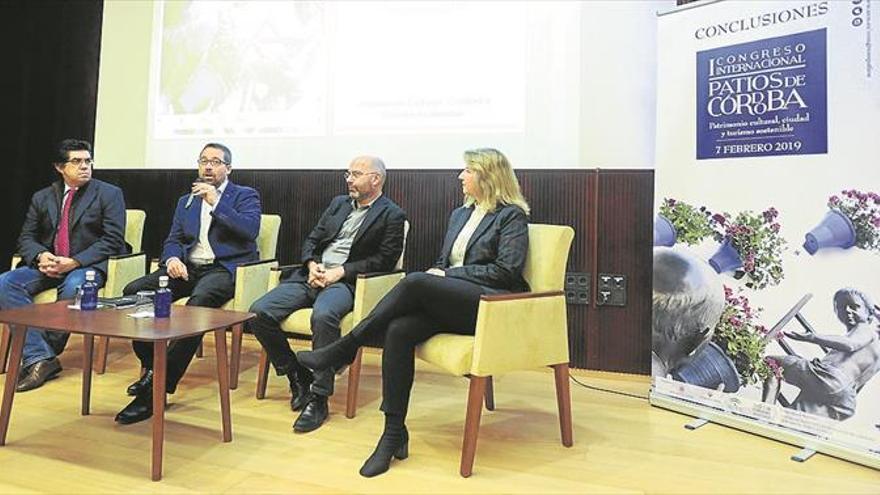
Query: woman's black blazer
(496, 253)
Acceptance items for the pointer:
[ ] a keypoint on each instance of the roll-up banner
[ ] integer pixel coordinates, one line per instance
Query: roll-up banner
(767, 233)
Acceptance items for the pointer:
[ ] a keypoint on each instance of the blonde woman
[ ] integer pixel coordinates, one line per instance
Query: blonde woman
(484, 252)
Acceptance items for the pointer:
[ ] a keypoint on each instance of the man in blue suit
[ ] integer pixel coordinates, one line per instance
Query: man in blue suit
(72, 226)
(214, 230)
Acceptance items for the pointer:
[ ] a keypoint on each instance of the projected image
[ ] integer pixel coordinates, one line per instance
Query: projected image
(308, 84)
(241, 68)
(430, 66)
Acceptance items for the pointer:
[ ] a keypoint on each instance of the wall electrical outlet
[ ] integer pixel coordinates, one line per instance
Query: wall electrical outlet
(577, 288)
(611, 290)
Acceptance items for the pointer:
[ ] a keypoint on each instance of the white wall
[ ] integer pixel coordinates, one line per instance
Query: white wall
(618, 88)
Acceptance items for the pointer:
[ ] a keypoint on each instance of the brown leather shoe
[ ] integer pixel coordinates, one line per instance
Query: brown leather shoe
(38, 374)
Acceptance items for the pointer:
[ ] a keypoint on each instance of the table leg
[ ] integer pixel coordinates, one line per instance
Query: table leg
(223, 379)
(17, 334)
(88, 346)
(159, 377)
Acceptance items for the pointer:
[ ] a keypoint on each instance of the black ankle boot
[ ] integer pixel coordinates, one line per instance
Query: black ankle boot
(390, 445)
(299, 389)
(336, 355)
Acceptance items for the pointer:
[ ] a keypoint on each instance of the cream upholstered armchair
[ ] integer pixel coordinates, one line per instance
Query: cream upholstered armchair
(250, 283)
(514, 332)
(121, 270)
(369, 290)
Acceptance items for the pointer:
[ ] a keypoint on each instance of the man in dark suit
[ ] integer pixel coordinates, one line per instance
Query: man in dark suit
(72, 226)
(358, 233)
(214, 230)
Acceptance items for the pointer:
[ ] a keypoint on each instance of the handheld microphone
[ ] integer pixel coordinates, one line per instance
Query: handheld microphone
(189, 200)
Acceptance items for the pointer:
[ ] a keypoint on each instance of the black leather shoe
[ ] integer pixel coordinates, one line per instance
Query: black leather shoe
(144, 383)
(388, 447)
(38, 374)
(313, 416)
(137, 410)
(336, 355)
(299, 395)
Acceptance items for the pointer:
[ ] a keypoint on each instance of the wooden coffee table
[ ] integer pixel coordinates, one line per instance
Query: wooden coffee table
(185, 321)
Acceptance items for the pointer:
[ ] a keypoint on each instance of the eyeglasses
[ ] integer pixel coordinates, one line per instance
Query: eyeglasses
(357, 174)
(215, 162)
(81, 161)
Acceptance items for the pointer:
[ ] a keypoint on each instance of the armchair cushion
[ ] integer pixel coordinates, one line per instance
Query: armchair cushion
(369, 290)
(451, 353)
(46, 297)
(300, 322)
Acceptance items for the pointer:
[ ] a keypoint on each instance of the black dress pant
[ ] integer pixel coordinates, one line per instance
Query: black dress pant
(209, 286)
(419, 307)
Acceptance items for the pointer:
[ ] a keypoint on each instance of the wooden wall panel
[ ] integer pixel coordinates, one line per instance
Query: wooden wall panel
(614, 339)
(564, 197)
(625, 247)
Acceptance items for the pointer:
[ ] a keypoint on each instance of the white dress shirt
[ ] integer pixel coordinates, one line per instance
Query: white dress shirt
(202, 254)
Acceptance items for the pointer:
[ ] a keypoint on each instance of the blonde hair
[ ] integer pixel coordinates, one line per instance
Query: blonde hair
(496, 181)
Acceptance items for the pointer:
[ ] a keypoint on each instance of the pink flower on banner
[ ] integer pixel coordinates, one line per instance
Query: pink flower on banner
(774, 367)
(741, 336)
(758, 242)
(863, 211)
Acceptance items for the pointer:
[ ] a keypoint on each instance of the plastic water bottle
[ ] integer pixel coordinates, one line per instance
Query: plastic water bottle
(162, 301)
(89, 300)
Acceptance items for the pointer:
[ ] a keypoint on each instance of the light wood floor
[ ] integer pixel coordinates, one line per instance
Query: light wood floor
(622, 445)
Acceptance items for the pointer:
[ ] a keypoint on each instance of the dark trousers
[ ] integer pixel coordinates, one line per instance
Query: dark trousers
(329, 306)
(418, 308)
(209, 286)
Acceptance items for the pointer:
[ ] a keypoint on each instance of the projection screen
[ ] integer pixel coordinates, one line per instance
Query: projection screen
(311, 84)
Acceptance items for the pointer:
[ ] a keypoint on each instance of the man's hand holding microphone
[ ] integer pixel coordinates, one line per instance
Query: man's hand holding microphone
(203, 187)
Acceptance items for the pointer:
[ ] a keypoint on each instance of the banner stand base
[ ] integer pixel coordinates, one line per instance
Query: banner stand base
(771, 431)
(697, 423)
(804, 455)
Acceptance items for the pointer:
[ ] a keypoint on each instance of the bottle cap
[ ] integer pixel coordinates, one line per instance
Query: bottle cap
(163, 281)
(90, 275)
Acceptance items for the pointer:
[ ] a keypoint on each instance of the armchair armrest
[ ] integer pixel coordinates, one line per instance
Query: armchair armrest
(121, 270)
(370, 289)
(380, 274)
(129, 255)
(251, 282)
(520, 331)
(278, 272)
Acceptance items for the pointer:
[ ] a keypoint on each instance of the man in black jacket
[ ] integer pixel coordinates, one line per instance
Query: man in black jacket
(72, 226)
(358, 233)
